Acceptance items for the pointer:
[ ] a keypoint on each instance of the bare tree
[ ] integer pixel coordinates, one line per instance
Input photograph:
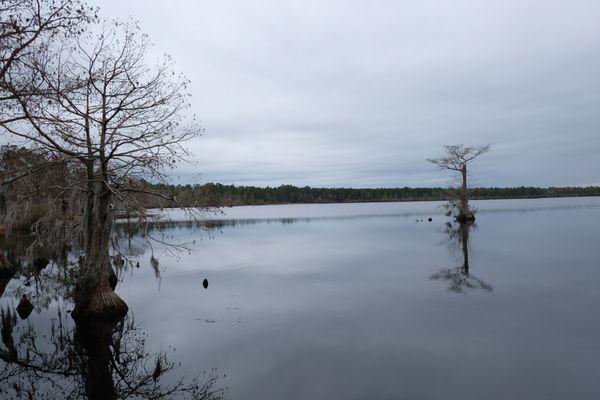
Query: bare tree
(98, 107)
(456, 159)
(28, 26)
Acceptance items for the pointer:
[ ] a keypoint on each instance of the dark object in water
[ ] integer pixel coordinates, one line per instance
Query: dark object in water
(40, 263)
(205, 283)
(24, 308)
(429, 219)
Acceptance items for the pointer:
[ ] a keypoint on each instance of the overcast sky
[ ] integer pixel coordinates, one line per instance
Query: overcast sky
(361, 93)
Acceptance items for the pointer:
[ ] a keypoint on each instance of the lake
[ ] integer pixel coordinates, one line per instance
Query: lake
(363, 301)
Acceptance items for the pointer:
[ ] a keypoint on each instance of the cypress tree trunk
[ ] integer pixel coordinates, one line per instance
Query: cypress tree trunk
(465, 213)
(94, 295)
(7, 271)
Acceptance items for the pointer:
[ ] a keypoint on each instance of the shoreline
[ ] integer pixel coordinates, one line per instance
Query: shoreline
(408, 200)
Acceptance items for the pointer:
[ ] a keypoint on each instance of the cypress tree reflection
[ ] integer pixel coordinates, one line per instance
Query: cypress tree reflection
(94, 359)
(81, 358)
(459, 278)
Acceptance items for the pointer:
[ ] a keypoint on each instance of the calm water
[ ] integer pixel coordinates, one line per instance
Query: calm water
(371, 301)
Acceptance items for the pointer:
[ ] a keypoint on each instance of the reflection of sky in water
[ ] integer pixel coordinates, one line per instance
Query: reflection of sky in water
(344, 308)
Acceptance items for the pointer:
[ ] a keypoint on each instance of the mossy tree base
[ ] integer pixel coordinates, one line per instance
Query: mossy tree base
(102, 303)
(465, 218)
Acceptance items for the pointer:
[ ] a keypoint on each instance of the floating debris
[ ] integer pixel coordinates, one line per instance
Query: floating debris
(205, 283)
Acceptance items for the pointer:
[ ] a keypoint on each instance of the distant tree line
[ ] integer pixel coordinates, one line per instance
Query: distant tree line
(28, 204)
(216, 194)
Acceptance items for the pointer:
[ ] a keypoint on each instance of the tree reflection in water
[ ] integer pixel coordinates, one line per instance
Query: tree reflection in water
(92, 359)
(83, 358)
(459, 278)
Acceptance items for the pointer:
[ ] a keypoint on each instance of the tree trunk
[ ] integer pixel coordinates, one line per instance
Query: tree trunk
(95, 297)
(2, 202)
(465, 213)
(5, 265)
(7, 271)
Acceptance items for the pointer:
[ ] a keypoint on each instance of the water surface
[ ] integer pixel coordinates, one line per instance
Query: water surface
(372, 301)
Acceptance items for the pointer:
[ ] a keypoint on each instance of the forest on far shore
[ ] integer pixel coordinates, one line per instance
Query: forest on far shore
(31, 194)
(216, 194)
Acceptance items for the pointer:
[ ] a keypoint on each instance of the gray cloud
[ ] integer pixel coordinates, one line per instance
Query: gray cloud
(358, 93)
